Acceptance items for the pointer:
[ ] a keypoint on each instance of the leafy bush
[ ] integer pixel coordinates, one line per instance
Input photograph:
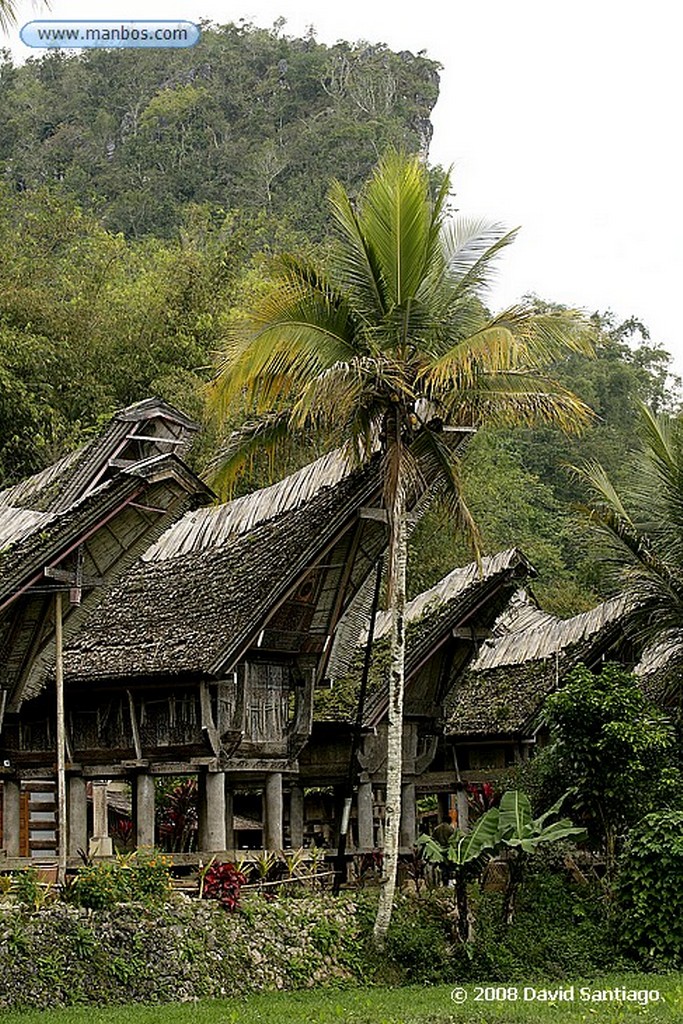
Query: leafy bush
(615, 748)
(561, 930)
(650, 889)
(418, 943)
(139, 877)
(27, 888)
(222, 882)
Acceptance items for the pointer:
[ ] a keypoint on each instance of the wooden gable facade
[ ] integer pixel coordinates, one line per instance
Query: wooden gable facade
(445, 626)
(69, 531)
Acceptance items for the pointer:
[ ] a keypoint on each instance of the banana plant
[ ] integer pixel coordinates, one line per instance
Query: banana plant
(522, 835)
(461, 860)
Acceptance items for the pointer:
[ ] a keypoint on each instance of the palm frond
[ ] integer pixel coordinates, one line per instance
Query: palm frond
(8, 16)
(544, 338)
(292, 335)
(396, 213)
(517, 399)
(356, 262)
(266, 433)
(329, 400)
(490, 350)
(442, 465)
(594, 475)
(470, 249)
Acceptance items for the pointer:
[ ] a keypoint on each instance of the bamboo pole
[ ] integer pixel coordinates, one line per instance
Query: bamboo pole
(61, 766)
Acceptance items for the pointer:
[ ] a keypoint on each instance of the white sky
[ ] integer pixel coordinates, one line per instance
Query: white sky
(562, 118)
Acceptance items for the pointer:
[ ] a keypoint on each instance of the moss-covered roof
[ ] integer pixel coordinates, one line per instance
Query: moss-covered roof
(430, 619)
(503, 691)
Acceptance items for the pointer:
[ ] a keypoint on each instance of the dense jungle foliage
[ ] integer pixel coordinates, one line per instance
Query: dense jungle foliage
(141, 195)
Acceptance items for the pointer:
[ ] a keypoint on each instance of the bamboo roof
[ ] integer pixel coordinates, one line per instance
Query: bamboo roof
(150, 427)
(17, 523)
(450, 588)
(526, 658)
(534, 635)
(198, 610)
(214, 526)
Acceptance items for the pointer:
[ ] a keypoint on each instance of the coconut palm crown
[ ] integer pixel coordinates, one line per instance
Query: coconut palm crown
(383, 347)
(642, 526)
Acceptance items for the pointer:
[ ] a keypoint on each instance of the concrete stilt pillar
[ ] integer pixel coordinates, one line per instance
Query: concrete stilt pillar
(100, 844)
(366, 831)
(77, 811)
(463, 810)
(296, 816)
(273, 808)
(211, 811)
(408, 815)
(229, 816)
(144, 810)
(11, 808)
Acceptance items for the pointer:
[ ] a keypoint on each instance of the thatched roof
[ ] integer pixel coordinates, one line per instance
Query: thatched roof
(524, 661)
(81, 522)
(213, 526)
(534, 635)
(467, 597)
(150, 427)
(198, 611)
(39, 538)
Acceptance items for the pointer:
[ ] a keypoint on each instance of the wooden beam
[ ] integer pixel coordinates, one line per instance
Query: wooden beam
(134, 726)
(463, 633)
(208, 725)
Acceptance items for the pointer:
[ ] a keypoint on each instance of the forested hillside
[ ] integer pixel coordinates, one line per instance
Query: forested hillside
(248, 119)
(139, 192)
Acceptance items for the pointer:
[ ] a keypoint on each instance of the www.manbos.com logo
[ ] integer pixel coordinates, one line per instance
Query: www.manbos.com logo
(87, 34)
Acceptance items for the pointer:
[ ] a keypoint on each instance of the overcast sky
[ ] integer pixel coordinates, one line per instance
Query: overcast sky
(561, 118)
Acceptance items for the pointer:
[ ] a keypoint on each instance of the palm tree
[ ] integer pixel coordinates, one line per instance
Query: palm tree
(643, 530)
(7, 15)
(381, 347)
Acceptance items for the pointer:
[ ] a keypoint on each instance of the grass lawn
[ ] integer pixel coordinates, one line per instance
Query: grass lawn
(397, 1006)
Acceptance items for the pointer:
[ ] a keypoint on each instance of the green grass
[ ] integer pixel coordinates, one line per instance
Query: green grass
(388, 1006)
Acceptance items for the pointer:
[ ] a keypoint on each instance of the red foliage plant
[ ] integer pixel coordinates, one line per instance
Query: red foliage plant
(223, 882)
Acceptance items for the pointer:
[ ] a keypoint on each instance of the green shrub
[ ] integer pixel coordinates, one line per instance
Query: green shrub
(561, 930)
(650, 889)
(419, 942)
(140, 877)
(27, 888)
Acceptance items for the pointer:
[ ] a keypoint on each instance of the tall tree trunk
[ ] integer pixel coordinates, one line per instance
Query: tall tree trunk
(398, 555)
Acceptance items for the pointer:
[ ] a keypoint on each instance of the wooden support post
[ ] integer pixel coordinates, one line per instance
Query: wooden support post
(211, 812)
(135, 729)
(11, 817)
(62, 824)
(408, 833)
(100, 845)
(366, 830)
(296, 816)
(273, 810)
(144, 810)
(229, 815)
(78, 815)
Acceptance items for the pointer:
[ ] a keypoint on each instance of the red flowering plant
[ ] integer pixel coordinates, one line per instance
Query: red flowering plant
(222, 882)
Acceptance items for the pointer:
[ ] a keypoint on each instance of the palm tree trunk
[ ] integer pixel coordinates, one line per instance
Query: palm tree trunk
(398, 555)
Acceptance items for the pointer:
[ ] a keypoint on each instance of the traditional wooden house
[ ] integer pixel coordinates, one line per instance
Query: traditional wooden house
(493, 710)
(445, 626)
(231, 649)
(65, 534)
(203, 658)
